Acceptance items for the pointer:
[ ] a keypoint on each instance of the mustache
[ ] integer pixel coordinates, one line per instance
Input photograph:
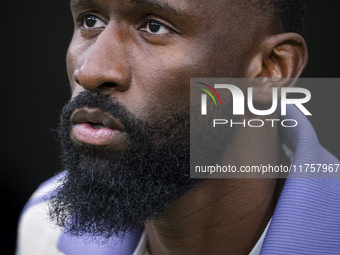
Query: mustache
(106, 104)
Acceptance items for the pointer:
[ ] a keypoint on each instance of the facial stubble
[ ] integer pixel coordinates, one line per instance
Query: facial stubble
(107, 192)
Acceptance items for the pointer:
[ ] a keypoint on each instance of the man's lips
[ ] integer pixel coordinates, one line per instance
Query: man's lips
(94, 127)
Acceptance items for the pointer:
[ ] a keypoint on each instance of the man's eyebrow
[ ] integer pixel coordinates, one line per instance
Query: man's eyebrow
(149, 3)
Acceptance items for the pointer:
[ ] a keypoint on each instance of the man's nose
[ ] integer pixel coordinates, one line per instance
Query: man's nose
(104, 64)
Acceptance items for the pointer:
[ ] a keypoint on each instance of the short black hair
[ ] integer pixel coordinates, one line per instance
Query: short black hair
(280, 15)
(291, 14)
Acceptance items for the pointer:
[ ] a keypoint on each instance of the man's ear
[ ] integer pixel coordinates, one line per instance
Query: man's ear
(279, 56)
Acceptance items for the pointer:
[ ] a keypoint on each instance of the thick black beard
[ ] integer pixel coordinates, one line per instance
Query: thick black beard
(103, 196)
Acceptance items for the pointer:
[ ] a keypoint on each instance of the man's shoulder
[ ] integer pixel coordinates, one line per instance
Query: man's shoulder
(44, 191)
(36, 234)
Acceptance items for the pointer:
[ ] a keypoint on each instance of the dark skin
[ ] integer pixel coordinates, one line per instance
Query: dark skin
(144, 54)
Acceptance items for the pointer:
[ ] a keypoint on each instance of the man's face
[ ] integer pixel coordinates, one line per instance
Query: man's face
(144, 52)
(125, 133)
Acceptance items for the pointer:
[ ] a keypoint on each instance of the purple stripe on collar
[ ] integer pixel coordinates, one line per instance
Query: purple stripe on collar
(73, 245)
(306, 219)
(44, 196)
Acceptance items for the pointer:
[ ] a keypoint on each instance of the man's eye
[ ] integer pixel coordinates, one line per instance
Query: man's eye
(155, 27)
(91, 21)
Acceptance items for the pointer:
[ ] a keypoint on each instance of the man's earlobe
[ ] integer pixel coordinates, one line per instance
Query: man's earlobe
(280, 60)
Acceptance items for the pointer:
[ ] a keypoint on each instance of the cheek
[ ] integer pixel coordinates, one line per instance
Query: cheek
(76, 54)
(71, 61)
(162, 79)
(70, 67)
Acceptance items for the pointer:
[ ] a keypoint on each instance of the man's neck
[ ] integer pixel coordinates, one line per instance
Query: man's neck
(222, 216)
(218, 217)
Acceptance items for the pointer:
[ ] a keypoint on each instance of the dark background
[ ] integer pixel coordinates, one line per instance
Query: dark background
(34, 87)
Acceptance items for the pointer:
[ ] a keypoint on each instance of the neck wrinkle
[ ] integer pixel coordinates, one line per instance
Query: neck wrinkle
(223, 216)
(218, 217)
